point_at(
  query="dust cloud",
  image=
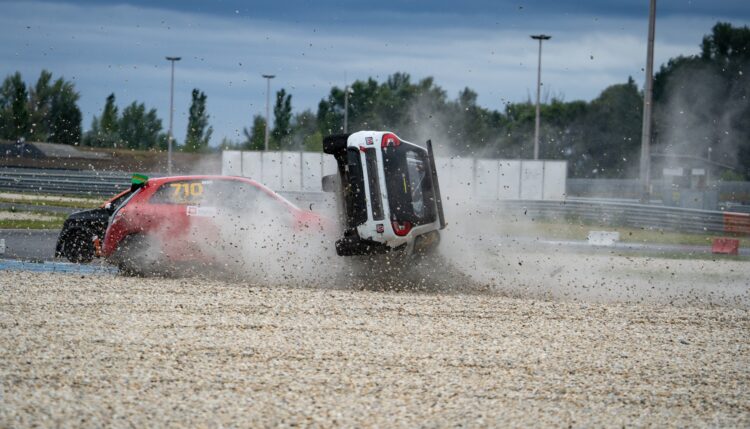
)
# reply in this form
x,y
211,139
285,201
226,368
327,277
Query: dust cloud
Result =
x,y
511,252
699,119
483,250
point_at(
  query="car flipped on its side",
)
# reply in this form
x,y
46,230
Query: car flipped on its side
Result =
x,y
82,231
170,221
388,194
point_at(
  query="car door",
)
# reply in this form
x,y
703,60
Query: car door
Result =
x,y
180,215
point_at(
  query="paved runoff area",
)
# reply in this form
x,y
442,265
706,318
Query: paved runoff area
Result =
x,y
84,350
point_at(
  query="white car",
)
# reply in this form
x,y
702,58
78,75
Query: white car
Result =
x,y
389,196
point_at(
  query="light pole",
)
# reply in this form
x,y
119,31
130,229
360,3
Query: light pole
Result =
x,y
346,108
540,38
268,78
171,115
647,98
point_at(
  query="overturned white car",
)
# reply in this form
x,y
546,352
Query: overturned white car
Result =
x,y
388,194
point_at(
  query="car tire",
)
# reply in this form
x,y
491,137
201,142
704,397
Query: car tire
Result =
x,y
79,247
335,143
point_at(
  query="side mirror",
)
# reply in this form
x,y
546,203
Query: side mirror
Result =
x,y
329,183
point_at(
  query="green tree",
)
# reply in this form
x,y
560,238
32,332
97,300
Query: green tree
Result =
x,y
93,136
610,134
282,117
48,113
331,112
139,129
109,120
255,138
40,103
64,117
105,129
305,134
198,130
702,102
15,120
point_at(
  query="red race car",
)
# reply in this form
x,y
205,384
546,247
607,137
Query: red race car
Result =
x,y
198,221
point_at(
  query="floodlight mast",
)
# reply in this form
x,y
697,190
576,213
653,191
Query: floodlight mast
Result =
x,y
268,78
648,91
171,115
540,38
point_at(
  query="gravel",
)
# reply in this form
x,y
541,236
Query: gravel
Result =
x,y
113,351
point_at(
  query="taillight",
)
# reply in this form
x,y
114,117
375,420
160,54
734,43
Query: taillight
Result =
x,y
389,140
401,228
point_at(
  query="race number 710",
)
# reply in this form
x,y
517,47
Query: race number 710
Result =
x,y
184,191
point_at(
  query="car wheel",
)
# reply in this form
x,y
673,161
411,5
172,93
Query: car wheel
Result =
x,y
79,248
335,143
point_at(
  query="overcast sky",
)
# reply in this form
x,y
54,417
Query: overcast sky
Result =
x,y
119,46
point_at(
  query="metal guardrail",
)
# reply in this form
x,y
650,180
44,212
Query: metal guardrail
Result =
x,y
621,214
589,210
63,182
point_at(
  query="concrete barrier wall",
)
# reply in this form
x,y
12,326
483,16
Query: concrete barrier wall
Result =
x,y
489,179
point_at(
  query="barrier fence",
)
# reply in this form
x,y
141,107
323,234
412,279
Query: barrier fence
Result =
x,y
604,212
494,179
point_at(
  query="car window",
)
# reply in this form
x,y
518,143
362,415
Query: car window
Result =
x,y
119,200
409,184
416,172
185,192
228,194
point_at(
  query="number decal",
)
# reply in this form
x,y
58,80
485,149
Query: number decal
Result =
x,y
186,192
176,187
196,189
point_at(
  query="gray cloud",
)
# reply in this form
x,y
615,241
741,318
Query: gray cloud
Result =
x,y
120,49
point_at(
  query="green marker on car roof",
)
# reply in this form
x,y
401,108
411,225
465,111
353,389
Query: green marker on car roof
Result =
x,y
137,181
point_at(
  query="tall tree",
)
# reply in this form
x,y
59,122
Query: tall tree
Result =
x,y
64,115
105,129
48,113
40,103
198,130
15,120
282,118
109,119
255,138
305,134
610,132
139,129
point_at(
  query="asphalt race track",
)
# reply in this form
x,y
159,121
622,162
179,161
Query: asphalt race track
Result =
x,y
29,245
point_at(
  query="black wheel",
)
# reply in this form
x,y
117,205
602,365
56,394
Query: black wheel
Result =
x,y
79,247
335,143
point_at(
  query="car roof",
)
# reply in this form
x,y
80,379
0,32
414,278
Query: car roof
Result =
x,y
161,180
